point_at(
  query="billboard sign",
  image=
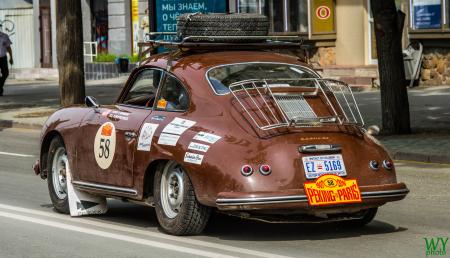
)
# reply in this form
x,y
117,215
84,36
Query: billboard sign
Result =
x,y
427,14
167,11
322,13
135,24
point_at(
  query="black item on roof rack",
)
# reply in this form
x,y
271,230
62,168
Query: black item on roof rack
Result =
x,y
218,43
222,26
211,42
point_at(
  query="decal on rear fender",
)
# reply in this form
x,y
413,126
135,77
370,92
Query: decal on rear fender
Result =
x,y
168,139
178,126
193,158
198,147
207,137
146,136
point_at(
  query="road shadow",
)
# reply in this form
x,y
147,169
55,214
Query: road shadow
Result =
x,y
5,124
226,227
124,213
232,228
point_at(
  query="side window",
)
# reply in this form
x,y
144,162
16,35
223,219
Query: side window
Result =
x,y
173,96
143,91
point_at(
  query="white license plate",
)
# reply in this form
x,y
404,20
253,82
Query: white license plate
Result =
x,y
316,166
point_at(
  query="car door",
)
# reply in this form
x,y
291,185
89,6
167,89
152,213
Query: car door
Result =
x,y
172,103
108,137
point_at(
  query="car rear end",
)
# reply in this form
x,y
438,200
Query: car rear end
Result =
x,y
319,162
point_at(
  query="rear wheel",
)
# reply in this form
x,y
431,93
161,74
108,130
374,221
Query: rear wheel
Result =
x,y
177,208
58,164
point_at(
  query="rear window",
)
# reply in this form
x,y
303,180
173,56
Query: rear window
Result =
x,y
222,77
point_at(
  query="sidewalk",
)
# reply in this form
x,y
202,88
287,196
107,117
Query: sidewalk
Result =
x,y
53,80
430,142
422,147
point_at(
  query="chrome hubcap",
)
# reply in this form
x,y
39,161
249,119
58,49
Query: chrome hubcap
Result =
x,y
60,165
172,189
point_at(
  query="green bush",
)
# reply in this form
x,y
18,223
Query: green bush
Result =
x,y
111,58
134,58
105,57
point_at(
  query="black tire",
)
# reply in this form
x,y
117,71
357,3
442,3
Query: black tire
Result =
x,y
198,24
192,216
366,218
60,205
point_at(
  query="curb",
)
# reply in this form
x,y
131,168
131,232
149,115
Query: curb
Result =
x,y
427,158
13,124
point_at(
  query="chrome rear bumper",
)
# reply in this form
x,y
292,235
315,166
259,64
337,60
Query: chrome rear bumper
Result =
x,y
383,196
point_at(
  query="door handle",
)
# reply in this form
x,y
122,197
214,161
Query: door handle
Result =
x,y
130,135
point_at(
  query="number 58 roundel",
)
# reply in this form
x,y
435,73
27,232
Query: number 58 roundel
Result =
x,y
105,145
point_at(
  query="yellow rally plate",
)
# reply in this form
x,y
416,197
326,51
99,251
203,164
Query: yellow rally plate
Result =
x,y
331,189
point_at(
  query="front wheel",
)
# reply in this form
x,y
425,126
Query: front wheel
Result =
x,y
177,208
58,165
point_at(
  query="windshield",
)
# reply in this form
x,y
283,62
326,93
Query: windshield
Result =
x,y
222,77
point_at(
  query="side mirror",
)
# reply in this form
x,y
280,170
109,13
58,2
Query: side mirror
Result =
x,y
373,130
91,102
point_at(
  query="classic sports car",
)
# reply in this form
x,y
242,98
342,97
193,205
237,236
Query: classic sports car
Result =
x,y
250,133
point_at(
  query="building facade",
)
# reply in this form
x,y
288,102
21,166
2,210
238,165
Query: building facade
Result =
x,y
16,19
339,34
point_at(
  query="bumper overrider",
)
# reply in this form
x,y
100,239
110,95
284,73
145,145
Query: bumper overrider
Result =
x,y
372,196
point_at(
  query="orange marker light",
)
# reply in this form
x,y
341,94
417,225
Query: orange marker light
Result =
x,y
162,103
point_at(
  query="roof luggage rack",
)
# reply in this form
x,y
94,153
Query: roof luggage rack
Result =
x,y
152,42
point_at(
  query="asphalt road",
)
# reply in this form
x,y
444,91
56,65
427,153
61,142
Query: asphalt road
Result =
x,y
31,228
47,94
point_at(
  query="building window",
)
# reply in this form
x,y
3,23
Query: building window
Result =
x,y
429,14
284,15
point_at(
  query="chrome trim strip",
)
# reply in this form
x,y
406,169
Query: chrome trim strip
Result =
x,y
262,200
302,198
388,193
108,188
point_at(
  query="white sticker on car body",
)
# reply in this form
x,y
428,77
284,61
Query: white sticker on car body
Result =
x,y
146,136
116,115
178,126
193,158
105,145
198,147
168,139
207,137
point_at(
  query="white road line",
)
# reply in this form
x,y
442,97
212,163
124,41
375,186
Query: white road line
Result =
x,y
184,240
16,154
100,233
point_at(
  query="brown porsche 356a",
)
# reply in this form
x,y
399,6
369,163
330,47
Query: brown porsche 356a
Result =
x,y
221,126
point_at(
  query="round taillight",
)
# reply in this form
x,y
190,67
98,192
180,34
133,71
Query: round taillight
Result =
x,y
246,170
265,169
387,164
373,164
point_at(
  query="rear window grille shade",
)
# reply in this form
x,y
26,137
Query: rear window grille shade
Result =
x,y
295,106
